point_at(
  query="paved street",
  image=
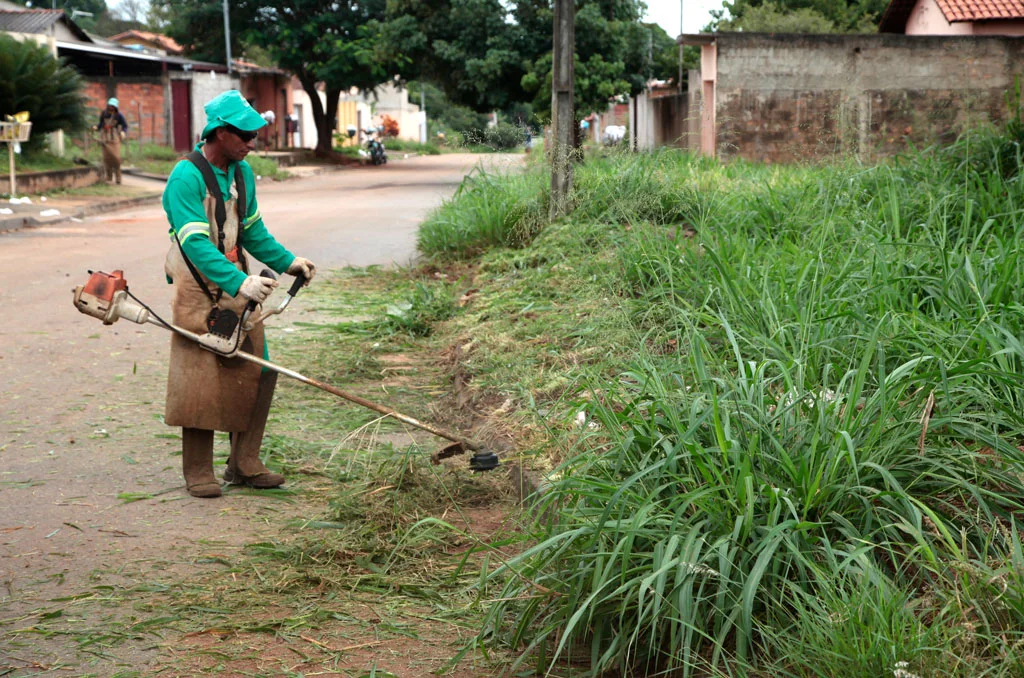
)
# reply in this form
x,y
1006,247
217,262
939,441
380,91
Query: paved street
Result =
x,y
79,422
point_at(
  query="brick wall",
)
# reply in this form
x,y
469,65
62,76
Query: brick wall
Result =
x,y
783,98
142,102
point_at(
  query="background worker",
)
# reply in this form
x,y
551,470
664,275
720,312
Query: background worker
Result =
x,y
208,266
112,128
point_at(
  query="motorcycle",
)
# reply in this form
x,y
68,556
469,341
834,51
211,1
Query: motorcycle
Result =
x,y
375,146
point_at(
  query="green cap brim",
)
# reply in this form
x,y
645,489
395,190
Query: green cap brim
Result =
x,y
246,119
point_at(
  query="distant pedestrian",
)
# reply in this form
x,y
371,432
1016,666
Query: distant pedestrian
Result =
x,y
112,128
529,140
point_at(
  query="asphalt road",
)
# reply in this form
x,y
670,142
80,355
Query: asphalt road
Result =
x,y
80,402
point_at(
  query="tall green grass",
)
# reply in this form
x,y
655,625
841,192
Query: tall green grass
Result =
x,y
488,210
825,479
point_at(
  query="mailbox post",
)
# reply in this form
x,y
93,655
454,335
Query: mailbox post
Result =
x,y
12,133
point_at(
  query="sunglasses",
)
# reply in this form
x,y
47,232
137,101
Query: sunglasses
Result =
x,y
244,136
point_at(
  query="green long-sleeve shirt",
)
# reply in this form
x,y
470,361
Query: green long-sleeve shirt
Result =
x,y
183,203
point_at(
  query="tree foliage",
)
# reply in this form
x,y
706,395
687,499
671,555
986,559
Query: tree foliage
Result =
x,y
445,116
801,16
334,42
496,55
32,80
469,48
198,25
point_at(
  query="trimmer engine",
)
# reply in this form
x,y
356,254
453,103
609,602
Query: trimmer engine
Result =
x,y
105,296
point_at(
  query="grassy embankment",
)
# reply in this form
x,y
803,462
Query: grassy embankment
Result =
x,y
780,407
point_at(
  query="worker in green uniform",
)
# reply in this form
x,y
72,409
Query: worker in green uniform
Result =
x,y
210,202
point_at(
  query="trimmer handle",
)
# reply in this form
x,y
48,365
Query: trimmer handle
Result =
x,y
300,280
265,273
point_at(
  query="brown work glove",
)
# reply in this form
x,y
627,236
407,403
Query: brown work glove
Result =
x,y
304,266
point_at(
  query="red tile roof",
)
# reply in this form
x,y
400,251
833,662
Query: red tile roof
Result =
x,y
165,43
895,18
981,10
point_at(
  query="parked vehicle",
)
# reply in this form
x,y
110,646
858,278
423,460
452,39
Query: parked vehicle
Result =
x,y
378,155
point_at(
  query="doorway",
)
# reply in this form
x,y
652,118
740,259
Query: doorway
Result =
x,y
181,114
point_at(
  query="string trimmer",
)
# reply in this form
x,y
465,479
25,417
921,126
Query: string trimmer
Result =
x,y
106,296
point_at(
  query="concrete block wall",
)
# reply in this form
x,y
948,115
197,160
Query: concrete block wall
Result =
x,y
783,98
206,86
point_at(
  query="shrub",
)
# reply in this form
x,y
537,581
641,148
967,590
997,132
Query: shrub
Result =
x,y
501,137
32,80
390,126
266,167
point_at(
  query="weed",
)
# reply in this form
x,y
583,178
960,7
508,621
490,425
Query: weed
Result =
x,y
795,397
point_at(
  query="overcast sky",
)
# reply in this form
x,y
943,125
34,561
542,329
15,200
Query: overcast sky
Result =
x,y
696,15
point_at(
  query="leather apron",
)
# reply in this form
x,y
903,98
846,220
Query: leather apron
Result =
x,y
204,390
110,140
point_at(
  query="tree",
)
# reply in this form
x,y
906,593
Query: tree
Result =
x,y
469,48
861,16
615,55
770,18
198,25
134,11
333,42
336,42
32,80
496,54
445,116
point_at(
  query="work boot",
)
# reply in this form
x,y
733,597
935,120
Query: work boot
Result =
x,y
244,464
197,463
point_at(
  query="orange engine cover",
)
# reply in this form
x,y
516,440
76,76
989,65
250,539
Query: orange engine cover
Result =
x,y
104,285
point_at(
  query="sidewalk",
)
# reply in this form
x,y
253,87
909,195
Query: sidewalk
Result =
x,y
138,188
42,210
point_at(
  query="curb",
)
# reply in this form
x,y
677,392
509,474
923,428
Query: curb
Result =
x,y
145,175
15,223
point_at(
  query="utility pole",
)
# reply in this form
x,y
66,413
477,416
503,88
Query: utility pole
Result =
x,y
227,36
679,82
563,114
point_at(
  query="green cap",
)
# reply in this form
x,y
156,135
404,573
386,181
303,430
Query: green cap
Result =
x,y
230,108
112,102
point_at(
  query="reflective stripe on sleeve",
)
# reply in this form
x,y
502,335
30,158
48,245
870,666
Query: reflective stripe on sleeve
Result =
x,y
252,220
193,228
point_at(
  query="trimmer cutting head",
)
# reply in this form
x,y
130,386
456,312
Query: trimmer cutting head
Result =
x,y
482,459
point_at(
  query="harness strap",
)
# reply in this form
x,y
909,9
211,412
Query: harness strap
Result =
x,y
195,274
220,215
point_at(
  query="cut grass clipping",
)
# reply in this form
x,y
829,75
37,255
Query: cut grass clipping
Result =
x,y
802,453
